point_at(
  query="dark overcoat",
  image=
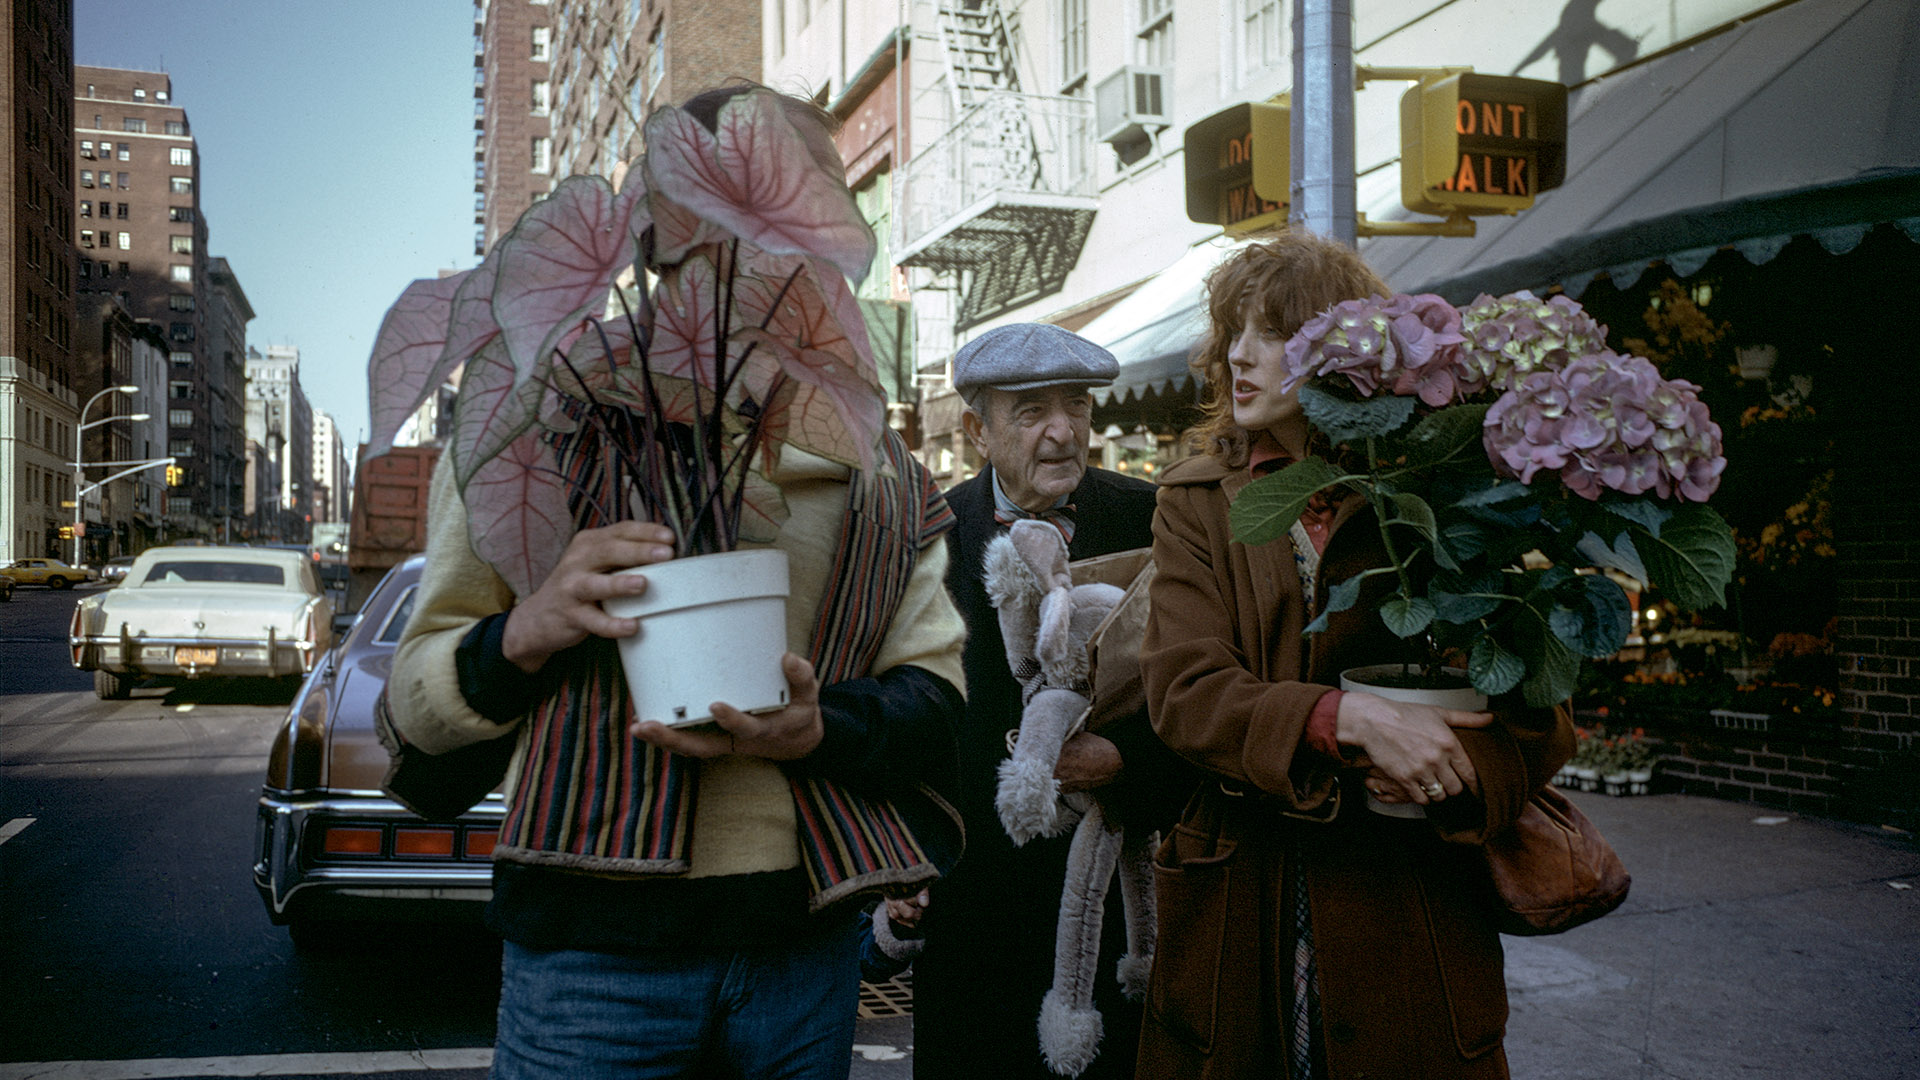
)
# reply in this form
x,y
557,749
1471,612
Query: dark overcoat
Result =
x,y
1410,964
990,930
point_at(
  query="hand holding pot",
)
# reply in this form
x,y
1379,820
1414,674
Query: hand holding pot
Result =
x,y
1410,746
565,609
785,734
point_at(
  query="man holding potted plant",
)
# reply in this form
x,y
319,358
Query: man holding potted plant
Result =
x,y
674,899
990,926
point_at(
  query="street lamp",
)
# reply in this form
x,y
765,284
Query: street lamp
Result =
x,y
80,457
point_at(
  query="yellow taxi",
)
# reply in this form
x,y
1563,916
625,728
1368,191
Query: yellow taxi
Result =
x,y
49,572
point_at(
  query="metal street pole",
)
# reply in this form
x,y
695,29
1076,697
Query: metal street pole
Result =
x,y
80,459
1322,140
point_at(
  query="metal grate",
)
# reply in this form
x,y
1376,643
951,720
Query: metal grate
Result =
x,y
891,998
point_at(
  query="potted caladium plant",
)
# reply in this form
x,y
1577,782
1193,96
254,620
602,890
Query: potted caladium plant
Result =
x,y
1509,459
651,349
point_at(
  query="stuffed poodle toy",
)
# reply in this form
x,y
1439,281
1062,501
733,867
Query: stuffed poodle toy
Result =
x,y
1048,622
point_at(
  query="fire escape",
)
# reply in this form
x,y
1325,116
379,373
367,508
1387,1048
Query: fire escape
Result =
x,y
1001,202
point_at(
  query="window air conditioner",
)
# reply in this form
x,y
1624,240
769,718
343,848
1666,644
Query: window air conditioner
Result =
x,y
1131,101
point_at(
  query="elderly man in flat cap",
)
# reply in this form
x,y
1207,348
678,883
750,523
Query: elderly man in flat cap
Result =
x,y
989,928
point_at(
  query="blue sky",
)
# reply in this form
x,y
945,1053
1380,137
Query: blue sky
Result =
x,y
336,156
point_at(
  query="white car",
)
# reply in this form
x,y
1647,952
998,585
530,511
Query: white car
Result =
x,y
198,612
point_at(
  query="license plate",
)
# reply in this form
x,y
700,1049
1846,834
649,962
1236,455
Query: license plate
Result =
x,y
196,656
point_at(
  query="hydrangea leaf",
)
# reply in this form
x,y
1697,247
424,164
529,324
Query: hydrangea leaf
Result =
x,y
1440,435
1266,508
1646,513
1620,555
761,177
1492,669
517,513
1600,615
1407,615
1411,509
1463,600
1339,598
1691,561
1552,669
1346,421
406,366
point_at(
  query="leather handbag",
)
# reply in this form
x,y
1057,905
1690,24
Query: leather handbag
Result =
x,y
1552,870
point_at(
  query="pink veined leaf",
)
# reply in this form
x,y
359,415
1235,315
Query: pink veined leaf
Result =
x,y
470,325
683,328
763,509
495,406
812,347
557,268
678,231
765,273
404,368
517,513
760,177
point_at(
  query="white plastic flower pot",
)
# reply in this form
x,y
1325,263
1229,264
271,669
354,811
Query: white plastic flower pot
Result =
x,y
712,629
1370,680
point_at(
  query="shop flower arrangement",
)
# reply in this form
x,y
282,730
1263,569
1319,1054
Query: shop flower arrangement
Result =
x,y
1509,458
649,351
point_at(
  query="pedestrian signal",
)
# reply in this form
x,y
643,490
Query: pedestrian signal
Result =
x,y
1237,162
1481,144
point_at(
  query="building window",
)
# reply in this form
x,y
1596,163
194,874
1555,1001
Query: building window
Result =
x,y
179,155
180,185
180,331
139,94
179,213
1073,42
180,391
180,272
181,358
542,44
86,149
180,245
542,154
159,95
1259,37
86,207
86,178
1155,33
180,447
126,241
126,151
176,127
122,211
126,270
134,124
126,181
180,302
542,97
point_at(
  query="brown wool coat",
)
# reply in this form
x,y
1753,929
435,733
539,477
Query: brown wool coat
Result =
x,y
1410,964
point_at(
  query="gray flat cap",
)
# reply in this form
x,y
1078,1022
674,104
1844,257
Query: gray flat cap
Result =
x,y
1028,356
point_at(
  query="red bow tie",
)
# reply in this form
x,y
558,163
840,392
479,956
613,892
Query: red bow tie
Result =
x,y
1060,517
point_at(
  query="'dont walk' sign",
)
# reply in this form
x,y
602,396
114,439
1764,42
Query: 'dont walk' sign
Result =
x,y
1481,144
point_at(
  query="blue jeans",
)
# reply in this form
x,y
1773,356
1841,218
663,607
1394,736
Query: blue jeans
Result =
x,y
753,1014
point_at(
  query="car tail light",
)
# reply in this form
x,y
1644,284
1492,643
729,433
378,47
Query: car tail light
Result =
x,y
407,841
351,841
480,843
73,636
309,634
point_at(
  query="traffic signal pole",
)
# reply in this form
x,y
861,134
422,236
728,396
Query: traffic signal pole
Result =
x,y
1322,188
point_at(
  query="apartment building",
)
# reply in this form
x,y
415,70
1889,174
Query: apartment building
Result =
x,y
142,238
563,87
332,487
279,430
41,390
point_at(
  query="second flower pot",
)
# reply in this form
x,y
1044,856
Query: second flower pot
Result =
x,y
712,628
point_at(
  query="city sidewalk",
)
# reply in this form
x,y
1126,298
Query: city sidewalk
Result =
x,y
1755,944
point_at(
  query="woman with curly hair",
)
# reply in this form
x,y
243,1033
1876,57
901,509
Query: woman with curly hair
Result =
x,y
1301,933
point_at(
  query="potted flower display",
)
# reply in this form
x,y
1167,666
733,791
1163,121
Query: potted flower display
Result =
x,y
1510,460
650,351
